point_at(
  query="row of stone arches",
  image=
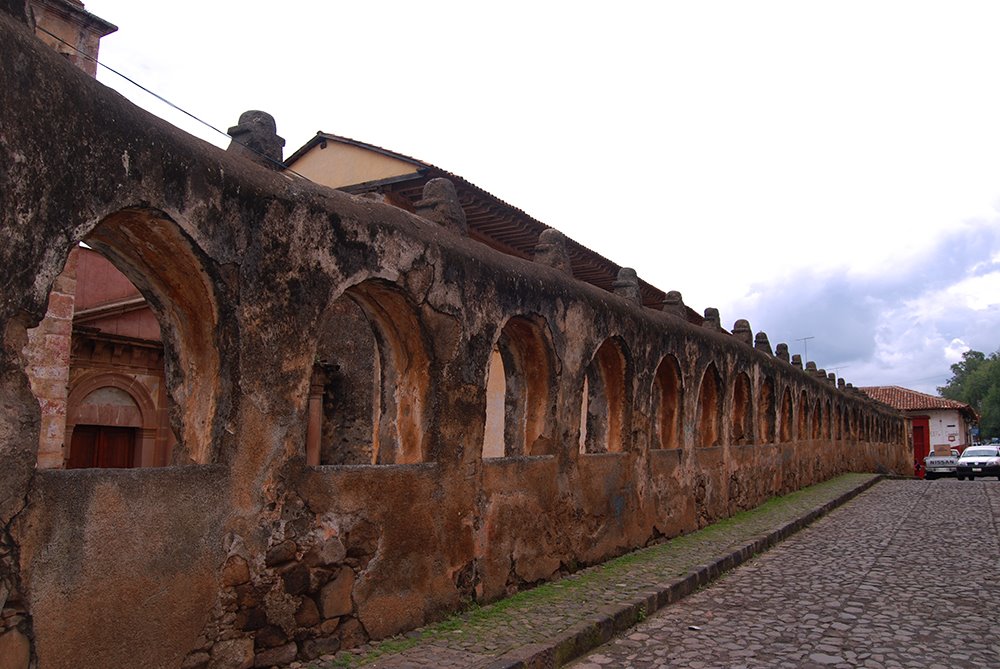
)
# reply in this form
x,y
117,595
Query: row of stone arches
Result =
x,y
372,397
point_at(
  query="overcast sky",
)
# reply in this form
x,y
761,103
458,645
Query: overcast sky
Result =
x,y
826,170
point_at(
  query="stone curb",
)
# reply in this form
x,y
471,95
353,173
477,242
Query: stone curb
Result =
x,y
605,623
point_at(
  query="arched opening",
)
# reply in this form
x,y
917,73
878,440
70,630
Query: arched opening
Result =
x,y
803,424
521,409
766,410
817,422
496,392
742,411
668,400
786,416
370,381
149,327
828,420
604,400
111,421
709,408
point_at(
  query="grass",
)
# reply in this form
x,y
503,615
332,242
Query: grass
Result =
x,y
574,588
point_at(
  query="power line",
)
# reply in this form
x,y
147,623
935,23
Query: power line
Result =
x,y
276,163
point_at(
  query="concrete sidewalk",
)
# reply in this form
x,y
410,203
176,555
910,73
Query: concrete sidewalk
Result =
x,y
559,621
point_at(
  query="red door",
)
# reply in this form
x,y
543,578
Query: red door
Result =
x,y
921,446
101,446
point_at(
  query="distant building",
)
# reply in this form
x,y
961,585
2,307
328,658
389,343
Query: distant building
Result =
x,y
932,421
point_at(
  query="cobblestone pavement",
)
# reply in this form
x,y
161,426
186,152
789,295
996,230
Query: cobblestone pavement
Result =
x,y
905,575
538,616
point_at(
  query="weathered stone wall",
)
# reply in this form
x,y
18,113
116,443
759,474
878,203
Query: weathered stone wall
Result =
x,y
242,553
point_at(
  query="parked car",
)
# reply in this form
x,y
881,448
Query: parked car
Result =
x,y
979,461
936,466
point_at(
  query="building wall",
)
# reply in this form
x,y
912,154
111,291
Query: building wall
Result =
x,y
243,548
947,427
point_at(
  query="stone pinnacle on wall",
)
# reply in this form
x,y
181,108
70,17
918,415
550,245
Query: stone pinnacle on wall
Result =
x,y
256,137
762,344
673,304
781,352
742,331
550,250
712,319
440,204
797,361
627,285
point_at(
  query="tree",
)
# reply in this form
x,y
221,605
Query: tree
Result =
x,y
976,381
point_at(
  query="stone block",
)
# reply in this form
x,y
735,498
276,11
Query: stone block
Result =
x,y
335,597
15,650
331,551
308,613
280,553
235,571
313,648
296,578
279,656
232,654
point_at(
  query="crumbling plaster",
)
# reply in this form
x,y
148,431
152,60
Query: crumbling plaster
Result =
x,y
212,560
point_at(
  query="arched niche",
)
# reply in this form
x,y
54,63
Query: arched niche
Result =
x,y
668,403
802,432
709,408
604,400
370,384
787,417
766,411
741,413
520,409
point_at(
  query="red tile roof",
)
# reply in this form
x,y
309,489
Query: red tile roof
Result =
x,y
905,399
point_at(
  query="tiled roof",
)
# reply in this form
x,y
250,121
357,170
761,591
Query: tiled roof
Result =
x,y
492,221
905,399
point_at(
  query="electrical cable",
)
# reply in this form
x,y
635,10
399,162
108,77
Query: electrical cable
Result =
x,y
276,163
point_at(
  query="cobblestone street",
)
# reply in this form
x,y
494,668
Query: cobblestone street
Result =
x,y
905,575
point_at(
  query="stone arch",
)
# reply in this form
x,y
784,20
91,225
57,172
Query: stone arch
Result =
x,y
605,401
709,417
741,406
802,433
766,411
786,416
371,378
183,298
817,419
520,402
828,419
668,403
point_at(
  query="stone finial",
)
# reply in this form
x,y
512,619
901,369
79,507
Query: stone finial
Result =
x,y
673,304
712,319
797,361
781,352
440,205
810,366
742,331
840,384
831,378
762,344
256,137
551,250
627,285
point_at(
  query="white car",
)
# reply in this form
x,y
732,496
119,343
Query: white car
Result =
x,y
979,461
936,466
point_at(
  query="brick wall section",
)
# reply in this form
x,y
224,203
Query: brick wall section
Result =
x,y
47,354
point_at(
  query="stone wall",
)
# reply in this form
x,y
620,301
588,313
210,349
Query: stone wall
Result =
x,y
240,553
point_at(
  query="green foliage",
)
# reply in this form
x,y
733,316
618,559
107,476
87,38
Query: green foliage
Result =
x,y
976,381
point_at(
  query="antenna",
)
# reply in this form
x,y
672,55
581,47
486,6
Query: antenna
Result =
x,y
805,346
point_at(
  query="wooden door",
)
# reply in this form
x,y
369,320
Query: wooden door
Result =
x,y
101,446
921,444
